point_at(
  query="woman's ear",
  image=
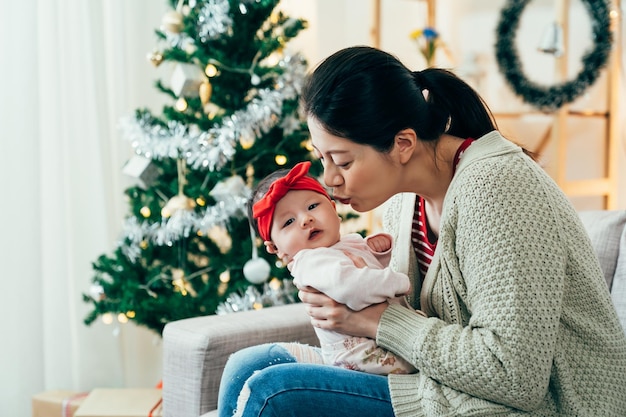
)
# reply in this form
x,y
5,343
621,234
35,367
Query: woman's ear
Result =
x,y
405,142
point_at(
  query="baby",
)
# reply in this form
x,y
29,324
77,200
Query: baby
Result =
x,y
298,221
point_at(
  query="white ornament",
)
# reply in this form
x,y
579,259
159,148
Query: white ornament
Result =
x,y
97,292
142,170
256,270
186,80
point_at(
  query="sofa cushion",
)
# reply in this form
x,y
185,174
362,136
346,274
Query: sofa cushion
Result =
x,y
605,228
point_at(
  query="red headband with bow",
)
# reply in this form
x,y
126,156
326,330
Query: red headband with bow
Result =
x,y
296,179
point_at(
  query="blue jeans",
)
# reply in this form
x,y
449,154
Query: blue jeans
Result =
x,y
279,386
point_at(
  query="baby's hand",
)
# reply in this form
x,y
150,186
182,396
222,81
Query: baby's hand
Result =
x,y
379,243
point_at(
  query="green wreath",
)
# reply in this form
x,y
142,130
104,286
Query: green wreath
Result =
x,y
552,97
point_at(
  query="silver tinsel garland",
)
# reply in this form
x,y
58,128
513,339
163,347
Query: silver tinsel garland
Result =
x,y
231,196
209,150
253,299
214,148
214,20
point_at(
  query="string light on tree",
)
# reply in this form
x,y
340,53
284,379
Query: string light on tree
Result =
x,y
145,211
280,160
211,70
181,104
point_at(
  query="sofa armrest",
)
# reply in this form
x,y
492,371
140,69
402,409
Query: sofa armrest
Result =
x,y
605,229
195,351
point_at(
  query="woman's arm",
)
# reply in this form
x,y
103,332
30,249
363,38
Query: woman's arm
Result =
x,y
327,313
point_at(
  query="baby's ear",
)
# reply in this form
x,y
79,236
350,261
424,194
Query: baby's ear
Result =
x,y
270,247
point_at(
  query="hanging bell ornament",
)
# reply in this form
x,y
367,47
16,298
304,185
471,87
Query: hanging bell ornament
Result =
x,y
205,92
552,40
172,21
156,58
176,203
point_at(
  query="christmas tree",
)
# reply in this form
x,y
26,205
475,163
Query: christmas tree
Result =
x,y
186,248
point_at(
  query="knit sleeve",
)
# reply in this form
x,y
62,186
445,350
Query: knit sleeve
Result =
x,y
507,236
498,291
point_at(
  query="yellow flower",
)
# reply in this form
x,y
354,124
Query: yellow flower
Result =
x,y
416,34
427,40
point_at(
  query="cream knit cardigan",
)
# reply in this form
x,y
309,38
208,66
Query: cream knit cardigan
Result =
x,y
520,318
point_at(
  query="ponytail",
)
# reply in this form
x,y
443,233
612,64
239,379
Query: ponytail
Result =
x,y
455,108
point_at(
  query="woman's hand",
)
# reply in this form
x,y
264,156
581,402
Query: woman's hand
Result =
x,y
328,314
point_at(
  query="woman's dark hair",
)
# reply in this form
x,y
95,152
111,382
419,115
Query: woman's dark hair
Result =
x,y
367,96
259,192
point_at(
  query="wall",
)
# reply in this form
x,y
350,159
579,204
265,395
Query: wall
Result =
x,y
468,28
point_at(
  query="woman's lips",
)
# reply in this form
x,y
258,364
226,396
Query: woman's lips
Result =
x,y
342,200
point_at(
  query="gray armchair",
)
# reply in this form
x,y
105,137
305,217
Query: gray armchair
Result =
x,y
195,351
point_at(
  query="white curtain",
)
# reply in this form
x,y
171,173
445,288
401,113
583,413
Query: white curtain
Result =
x,y
70,69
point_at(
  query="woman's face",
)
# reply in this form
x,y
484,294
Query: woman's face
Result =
x,y
358,174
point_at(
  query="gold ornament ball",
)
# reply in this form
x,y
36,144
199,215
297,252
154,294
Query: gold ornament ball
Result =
x,y
172,21
156,58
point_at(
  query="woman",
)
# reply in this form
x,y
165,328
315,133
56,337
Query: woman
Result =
x,y
519,319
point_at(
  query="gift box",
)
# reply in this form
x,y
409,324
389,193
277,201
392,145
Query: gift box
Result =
x,y
57,403
121,402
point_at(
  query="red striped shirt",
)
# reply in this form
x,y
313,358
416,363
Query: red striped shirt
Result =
x,y
423,244
423,247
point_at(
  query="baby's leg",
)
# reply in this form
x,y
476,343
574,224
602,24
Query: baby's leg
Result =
x,y
362,354
303,353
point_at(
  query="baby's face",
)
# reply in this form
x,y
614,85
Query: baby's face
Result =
x,y
304,219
